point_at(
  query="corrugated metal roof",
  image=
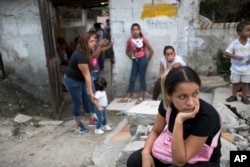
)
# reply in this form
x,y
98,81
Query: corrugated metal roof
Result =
x,y
82,3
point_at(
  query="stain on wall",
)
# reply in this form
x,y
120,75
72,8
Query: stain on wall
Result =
x,y
159,9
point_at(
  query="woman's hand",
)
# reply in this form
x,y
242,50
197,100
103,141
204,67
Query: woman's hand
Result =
x,y
92,97
104,43
182,116
147,159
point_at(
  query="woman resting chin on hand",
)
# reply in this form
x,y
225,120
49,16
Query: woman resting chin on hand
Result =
x,y
193,126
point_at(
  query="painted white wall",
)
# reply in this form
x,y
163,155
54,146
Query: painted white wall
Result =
x,y
22,45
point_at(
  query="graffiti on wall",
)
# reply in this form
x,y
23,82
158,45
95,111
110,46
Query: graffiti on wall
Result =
x,y
159,9
159,23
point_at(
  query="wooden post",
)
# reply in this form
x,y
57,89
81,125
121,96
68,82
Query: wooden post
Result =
x,y
57,100
2,66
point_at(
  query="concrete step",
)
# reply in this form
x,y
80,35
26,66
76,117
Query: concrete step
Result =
x,y
222,93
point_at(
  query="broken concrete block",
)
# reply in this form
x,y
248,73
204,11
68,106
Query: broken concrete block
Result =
x,y
20,118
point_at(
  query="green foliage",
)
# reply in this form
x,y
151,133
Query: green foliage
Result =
x,y
225,10
223,65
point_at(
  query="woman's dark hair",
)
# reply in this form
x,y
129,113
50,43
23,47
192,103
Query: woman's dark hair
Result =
x,y
170,81
100,83
166,48
83,47
137,25
97,25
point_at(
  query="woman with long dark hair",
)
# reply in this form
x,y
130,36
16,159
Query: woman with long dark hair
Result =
x,y
78,78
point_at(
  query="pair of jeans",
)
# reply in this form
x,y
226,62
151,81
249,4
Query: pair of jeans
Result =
x,y
79,95
101,115
94,76
101,60
139,66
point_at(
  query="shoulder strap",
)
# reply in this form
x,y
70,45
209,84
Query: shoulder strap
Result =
x,y
215,139
168,112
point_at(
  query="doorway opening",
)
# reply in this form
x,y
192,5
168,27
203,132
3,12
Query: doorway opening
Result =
x,y
70,18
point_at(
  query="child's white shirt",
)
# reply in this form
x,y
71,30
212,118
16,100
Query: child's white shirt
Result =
x,y
102,98
240,66
177,59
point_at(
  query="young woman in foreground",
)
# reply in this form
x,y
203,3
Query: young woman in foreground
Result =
x,y
193,126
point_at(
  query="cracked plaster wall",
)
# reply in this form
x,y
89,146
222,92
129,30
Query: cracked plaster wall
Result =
x,y
22,46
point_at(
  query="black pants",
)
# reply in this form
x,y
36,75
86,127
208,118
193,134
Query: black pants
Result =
x,y
135,160
157,89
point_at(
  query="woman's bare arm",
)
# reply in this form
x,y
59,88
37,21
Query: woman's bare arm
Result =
x,y
128,53
150,49
84,68
184,150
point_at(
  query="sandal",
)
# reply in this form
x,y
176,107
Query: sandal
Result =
x,y
125,100
139,100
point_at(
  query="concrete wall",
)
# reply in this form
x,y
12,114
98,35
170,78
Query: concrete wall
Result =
x,y
89,17
22,46
163,22
215,38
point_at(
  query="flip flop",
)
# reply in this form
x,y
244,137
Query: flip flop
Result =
x,y
139,100
125,100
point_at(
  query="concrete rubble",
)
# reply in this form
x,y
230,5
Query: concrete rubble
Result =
x,y
21,118
129,133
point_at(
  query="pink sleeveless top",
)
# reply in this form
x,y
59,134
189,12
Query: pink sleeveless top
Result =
x,y
137,47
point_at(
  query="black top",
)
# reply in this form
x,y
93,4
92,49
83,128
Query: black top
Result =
x,y
205,123
72,70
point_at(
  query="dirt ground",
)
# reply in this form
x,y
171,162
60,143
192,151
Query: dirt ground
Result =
x,y
39,146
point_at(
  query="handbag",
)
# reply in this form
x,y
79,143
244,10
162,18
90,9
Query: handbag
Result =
x,y
162,146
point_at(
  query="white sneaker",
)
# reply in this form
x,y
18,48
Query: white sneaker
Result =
x,y
106,127
99,131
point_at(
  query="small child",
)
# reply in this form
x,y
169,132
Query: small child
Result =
x,y
239,52
100,105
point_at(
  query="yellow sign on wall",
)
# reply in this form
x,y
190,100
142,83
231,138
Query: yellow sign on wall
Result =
x,y
159,9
